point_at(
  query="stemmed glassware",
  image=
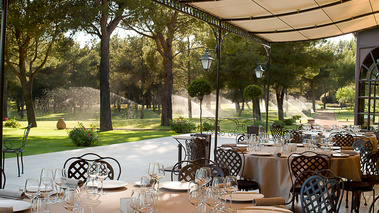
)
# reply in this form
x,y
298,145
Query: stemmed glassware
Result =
x,y
156,172
58,183
211,199
230,186
218,189
142,201
203,176
31,190
71,199
102,174
45,187
196,197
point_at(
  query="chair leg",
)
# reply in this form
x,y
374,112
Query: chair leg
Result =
x,y
22,163
347,199
3,160
18,165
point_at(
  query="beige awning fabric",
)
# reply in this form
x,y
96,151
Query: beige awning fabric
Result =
x,y
293,20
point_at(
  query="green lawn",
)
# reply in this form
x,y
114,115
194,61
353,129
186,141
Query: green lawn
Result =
x,y
344,114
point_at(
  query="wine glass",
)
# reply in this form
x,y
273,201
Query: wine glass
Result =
x,y
203,176
145,182
196,197
45,188
153,172
31,187
71,199
211,198
160,175
102,174
218,189
58,183
230,186
85,209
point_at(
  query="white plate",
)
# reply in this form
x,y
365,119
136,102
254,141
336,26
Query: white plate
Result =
x,y
340,155
244,196
176,185
242,145
299,144
18,205
261,153
264,209
112,184
335,147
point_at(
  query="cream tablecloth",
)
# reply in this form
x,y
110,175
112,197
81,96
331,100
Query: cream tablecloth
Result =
x,y
169,202
273,175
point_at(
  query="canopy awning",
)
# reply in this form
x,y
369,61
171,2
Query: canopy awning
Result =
x,y
285,20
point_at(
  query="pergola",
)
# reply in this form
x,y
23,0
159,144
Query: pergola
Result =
x,y
271,21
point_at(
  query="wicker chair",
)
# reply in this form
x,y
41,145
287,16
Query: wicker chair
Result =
x,y
320,193
9,148
298,164
77,167
235,162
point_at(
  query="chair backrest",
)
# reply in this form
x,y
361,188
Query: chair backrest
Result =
x,y
26,134
372,168
231,159
3,179
196,148
298,164
186,170
321,194
296,136
77,167
343,139
277,131
364,148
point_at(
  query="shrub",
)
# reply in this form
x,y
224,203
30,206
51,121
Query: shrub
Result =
x,y
11,123
206,126
288,121
182,125
280,123
261,123
81,136
296,117
95,125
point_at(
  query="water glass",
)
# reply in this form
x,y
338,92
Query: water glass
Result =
x,y
85,209
146,201
71,199
58,183
145,182
196,197
91,184
203,176
211,198
102,174
125,205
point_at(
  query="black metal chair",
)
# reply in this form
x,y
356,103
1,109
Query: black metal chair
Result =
x,y
344,139
77,167
320,193
373,205
301,165
3,179
371,169
186,170
277,131
234,161
10,148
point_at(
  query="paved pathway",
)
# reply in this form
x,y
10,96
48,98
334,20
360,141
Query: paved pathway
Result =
x,y
328,118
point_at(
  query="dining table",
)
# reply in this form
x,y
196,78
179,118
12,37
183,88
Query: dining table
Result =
x,y
170,201
272,172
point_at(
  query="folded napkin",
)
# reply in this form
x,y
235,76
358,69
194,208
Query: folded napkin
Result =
x,y
229,145
273,201
13,194
72,182
6,209
241,149
347,148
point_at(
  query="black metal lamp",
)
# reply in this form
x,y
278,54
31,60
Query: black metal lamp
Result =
x,y
206,60
259,71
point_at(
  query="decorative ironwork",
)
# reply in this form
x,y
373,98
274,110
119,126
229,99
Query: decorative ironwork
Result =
x,y
211,19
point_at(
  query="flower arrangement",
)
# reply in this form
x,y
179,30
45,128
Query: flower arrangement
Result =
x,y
12,122
182,125
82,136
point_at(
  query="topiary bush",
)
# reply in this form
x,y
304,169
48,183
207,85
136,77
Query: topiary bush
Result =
x,y
182,125
82,136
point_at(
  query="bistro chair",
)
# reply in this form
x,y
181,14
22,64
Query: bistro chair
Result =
x,y
343,139
186,170
235,162
18,150
277,131
3,179
301,165
296,136
373,205
77,167
321,193
196,148
371,169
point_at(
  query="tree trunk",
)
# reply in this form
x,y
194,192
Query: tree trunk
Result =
x,y
5,103
201,123
280,99
167,88
189,100
313,95
256,109
142,115
105,102
238,108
